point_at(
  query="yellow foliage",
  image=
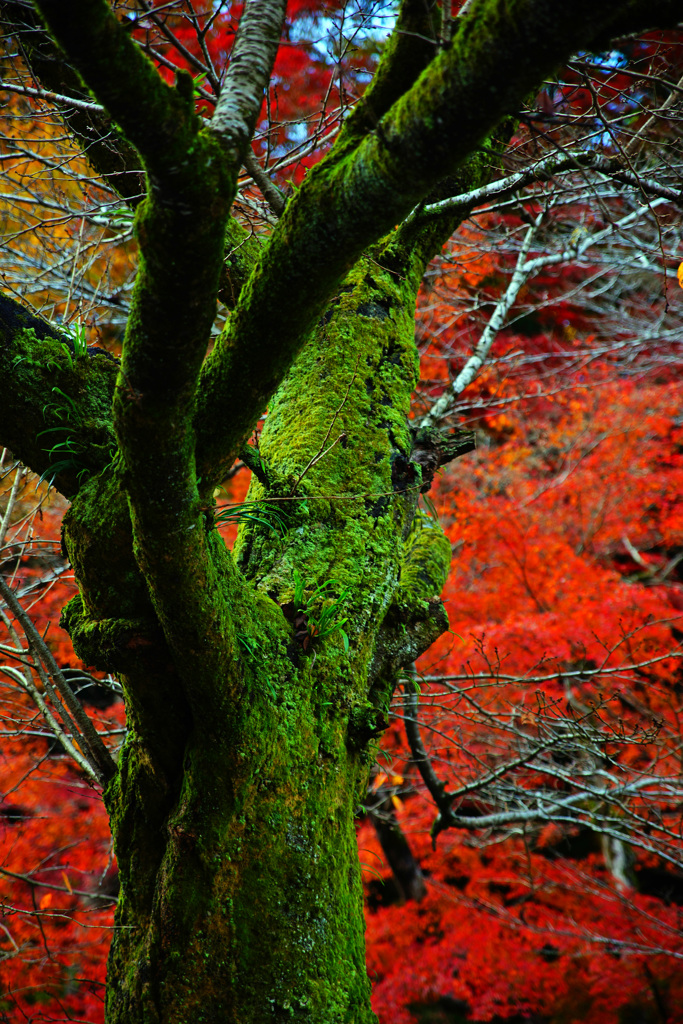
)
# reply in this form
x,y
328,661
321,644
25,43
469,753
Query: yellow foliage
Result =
x,y
66,251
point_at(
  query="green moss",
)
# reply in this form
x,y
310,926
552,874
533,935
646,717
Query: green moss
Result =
x,y
57,415
261,851
365,723
426,563
242,249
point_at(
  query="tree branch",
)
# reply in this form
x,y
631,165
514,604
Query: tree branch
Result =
x,y
499,52
473,365
251,63
524,270
56,412
84,732
592,792
269,190
180,230
421,759
157,119
544,170
410,48
51,97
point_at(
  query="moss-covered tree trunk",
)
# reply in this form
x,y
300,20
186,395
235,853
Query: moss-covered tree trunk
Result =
x,y
234,827
258,682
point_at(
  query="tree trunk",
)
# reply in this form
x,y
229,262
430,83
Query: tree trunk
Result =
x,y
241,893
253,910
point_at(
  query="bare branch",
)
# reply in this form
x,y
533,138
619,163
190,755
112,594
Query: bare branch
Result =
x,y
524,270
52,97
361,195
251,63
473,365
269,190
98,756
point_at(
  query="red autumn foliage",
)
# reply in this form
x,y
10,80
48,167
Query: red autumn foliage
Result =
x,y
327,55
564,524
57,873
564,600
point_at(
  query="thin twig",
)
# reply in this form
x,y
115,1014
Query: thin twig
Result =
x,y
99,756
63,737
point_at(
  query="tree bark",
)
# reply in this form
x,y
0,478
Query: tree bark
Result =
x,y
234,829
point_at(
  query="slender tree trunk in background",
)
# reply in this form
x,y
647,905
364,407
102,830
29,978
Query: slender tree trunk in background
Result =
x,y
406,871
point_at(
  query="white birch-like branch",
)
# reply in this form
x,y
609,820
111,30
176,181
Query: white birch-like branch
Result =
x,y
524,269
544,170
52,97
251,63
474,364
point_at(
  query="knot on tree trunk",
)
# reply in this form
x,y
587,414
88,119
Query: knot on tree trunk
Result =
x,y
110,645
432,449
416,617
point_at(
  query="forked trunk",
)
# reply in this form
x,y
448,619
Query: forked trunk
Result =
x,y
233,808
